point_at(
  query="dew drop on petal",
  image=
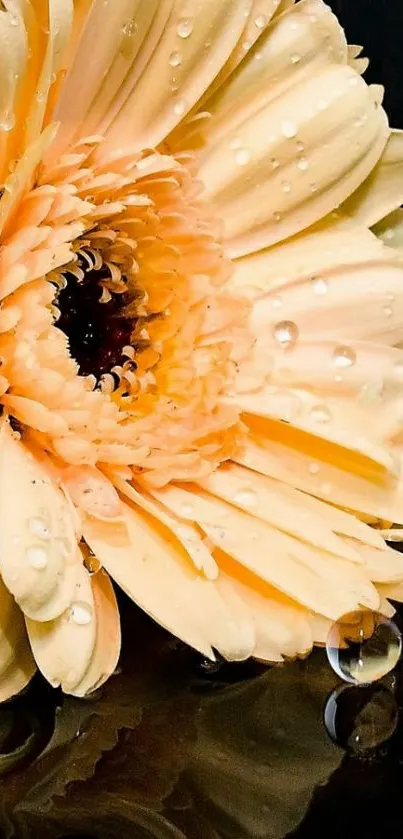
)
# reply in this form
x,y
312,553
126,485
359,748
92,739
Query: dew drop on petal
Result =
x,y
388,311
242,157
320,413
260,21
274,163
7,122
314,468
289,129
245,497
37,557
286,187
359,719
286,333
81,613
92,564
300,146
319,286
175,59
277,302
185,27
302,164
180,107
344,356
38,527
363,646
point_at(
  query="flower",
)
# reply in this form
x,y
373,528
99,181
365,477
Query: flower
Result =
x,y
201,376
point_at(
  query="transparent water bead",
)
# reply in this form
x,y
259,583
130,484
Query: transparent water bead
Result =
x,y
185,27
286,333
359,719
81,613
363,646
37,557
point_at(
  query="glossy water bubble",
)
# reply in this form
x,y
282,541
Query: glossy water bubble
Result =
x,y
363,646
359,719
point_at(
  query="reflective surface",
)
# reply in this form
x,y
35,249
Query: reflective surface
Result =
x,y
173,747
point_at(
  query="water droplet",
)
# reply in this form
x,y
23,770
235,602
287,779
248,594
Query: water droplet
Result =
x,y
360,718
7,123
363,646
38,527
319,286
320,413
81,613
302,164
289,129
245,497
286,186
277,217
185,27
260,21
344,356
186,510
175,59
314,187
13,20
40,96
300,146
388,311
277,302
242,157
92,564
286,333
129,28
180,107
274,163
295,58
314,468
37,557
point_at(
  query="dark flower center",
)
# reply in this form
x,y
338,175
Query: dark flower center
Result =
x,y
96,330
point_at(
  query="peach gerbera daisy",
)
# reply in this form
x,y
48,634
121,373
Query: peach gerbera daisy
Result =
x,y
201,380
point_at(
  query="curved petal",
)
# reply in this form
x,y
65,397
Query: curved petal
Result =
x,y
16,663
382,192
37,535
63,647
148,563
259,189
106,652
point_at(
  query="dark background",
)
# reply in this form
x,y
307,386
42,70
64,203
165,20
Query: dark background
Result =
x,y
378,26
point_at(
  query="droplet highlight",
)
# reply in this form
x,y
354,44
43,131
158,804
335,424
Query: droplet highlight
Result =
x,y
245,497
344,356
175,59
363,646
289,129
185,27
286,333
81,613
38,527
320,413
320,286
37,557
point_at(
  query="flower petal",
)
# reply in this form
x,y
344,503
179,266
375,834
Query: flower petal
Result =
x,y
259,189
382,192
313,578
105,655
37,536
148,563
63,647
16,663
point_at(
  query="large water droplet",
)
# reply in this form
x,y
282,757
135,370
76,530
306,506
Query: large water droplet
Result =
x,y
180,107
289,129
302,164
184,27
314,468
37,557
363,646
286,187
38,527
129,28
295,58
7,123
286,333
81,613
175,59
344,356
359,719
92,564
